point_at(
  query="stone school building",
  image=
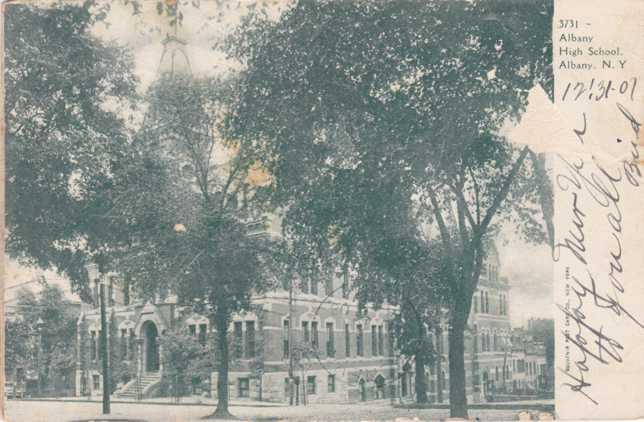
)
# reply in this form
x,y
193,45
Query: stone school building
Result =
x,y
334,354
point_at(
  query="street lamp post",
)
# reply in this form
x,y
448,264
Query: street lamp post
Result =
x,y
39,326
93,272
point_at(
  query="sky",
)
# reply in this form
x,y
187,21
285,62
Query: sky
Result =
x,y
527,267
529,270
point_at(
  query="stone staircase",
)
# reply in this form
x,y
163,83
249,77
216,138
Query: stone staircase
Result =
x,y
134,389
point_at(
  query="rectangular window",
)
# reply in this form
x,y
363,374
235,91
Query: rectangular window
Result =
x,y
330,384
390,338
100,349
203,330
314,286
475,339
304,285
285,345
126,292
96,380
124,340
315,341
243,387
381,341
330,340
250,339
345,284
110,292
93,349
306,335
482,302
328,285
476,380
192,330
374,340
237,339
347,341
359,340
310,385
132,346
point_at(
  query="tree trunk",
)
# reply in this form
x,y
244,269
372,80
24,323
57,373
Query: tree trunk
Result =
x,y
421,384
456,335
221,323
420,361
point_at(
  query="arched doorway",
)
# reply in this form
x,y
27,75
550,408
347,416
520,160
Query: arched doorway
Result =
x,y
380,386
150,347
363,390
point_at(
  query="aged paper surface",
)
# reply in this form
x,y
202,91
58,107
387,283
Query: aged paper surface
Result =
x,y
599,212
456,231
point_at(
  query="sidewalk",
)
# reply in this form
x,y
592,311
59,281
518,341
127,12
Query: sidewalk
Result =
x,y
187,401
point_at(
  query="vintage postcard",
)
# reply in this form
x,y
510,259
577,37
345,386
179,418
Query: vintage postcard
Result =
x,y
312,210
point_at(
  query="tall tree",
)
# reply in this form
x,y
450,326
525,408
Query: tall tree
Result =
x,y
62,142
200,235
367,113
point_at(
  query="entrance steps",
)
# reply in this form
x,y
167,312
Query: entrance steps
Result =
x,y
139,388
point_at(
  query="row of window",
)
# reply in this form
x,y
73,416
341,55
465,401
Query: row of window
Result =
x,y
520,365
488,344
313,287
243,385
201,334
310,335
244,345
484,300
110,292
490,271
126,346
243,342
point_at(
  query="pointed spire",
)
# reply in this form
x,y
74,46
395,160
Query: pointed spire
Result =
x,y
174,59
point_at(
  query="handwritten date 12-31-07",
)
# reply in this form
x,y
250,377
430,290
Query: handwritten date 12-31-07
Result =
x,y
599,89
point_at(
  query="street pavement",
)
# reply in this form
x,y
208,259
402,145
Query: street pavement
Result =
x,y
51,411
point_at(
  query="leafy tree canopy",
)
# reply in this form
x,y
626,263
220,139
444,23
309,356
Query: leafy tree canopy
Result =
x,y
63,143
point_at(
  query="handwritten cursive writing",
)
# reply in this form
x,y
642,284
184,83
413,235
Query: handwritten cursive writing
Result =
x,y
600,187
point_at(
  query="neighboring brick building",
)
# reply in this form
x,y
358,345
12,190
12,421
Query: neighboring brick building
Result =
x,y
491,357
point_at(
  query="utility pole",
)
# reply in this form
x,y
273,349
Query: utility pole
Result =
x,y
105,353
290,341
95,275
